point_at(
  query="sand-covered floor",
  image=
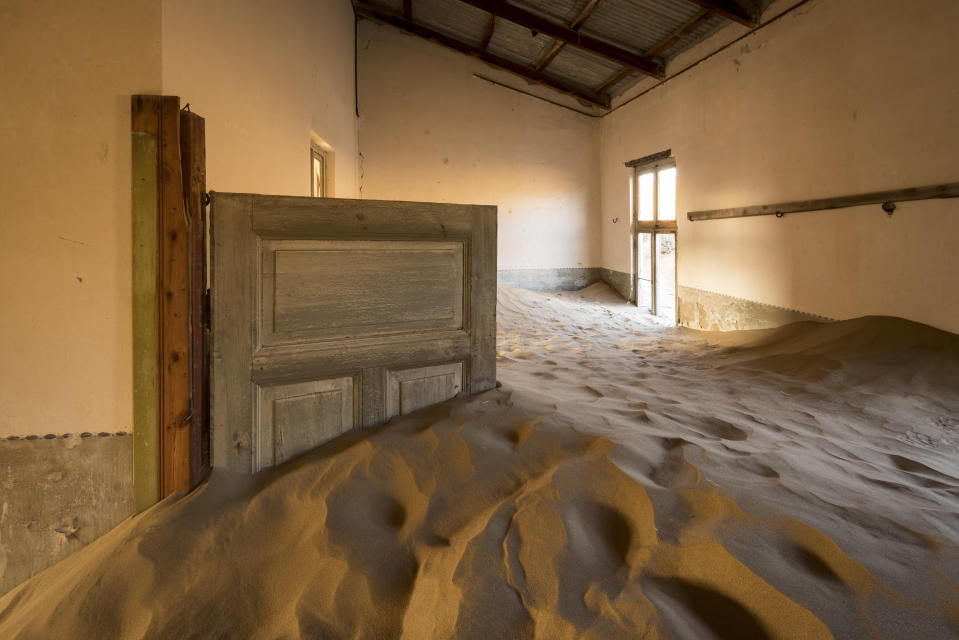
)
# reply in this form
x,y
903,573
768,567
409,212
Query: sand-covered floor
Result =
x,y
626,481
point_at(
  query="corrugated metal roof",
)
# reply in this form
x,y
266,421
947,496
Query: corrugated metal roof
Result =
x,y
713,24
395,6
518,44
452,18
561,11
634,25
625,84
638,25
588,69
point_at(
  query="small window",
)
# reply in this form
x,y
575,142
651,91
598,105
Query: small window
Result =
x,y
318,171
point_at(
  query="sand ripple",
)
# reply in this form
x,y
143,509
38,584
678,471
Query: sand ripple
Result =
x,y
626,481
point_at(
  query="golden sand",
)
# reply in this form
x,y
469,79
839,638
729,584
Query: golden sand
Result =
x,y
625,481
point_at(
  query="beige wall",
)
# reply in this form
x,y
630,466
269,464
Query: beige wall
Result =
x,y
431,131
265,75
839,97
67,70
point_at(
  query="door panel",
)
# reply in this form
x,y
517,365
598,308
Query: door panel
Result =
x,y
644,299
332,314
666,275
333,290
282,410
412,389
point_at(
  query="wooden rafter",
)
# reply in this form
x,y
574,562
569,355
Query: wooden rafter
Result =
x,y
577,22
690,25
731,10
489,33
397,20
536,23
614,80
658,48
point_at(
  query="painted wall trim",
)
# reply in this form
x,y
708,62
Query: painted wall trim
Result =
x,y
620,281
67,490
565,279
711,311
553,279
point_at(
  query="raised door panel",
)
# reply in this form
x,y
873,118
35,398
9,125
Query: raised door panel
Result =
x,y
292,419
412,389
329,290
334,314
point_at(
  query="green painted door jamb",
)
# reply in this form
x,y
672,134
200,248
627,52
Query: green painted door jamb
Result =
x,y
145,323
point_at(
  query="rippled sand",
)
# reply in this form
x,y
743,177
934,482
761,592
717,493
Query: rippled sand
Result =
x,y
626,481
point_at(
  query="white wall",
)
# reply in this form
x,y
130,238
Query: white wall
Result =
x,y
839,97
265,75
430,131
67,70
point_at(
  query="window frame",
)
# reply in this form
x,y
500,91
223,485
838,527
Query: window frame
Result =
x,y
318,153
652,227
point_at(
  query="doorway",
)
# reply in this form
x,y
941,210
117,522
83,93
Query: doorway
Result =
x,y
654,238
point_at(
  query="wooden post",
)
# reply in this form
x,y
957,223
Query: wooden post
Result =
x,y
145,127
193,158
162,413
174,297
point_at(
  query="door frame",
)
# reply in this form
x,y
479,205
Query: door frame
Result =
x,y
652,227
170,370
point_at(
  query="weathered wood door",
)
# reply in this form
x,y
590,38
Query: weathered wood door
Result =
x,y
333,314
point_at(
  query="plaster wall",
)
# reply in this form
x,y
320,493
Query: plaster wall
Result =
x,y
431,131
267,76
68,70
836,98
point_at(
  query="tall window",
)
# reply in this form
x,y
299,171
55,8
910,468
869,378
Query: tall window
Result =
x,y
654,237
318,171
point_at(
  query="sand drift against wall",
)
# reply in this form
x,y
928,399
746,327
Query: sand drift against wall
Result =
x,y
627,480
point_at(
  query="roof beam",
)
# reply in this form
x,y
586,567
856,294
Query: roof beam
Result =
x,y
577,22
658,48
663,45
489,33
373,12
614,80
733,10
606,50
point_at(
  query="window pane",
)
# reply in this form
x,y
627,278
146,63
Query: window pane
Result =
x,y
666,275
667,194
318,177
646,196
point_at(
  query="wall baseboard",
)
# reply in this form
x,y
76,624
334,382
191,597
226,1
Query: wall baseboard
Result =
x,y
709,311
698,308
67,491
565,279
556,279
618,280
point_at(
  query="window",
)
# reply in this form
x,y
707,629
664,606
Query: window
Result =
x,y
318,171
653,189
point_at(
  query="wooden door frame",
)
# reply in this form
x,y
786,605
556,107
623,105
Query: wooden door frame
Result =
x,y
652,227
168,228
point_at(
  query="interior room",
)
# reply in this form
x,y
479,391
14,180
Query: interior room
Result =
x,y
479,318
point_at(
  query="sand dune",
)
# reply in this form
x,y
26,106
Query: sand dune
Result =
x,y
626,481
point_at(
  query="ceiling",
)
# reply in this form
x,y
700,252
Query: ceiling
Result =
x,y
592,50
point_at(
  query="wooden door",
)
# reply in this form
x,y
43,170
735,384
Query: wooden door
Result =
x,y
332,314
